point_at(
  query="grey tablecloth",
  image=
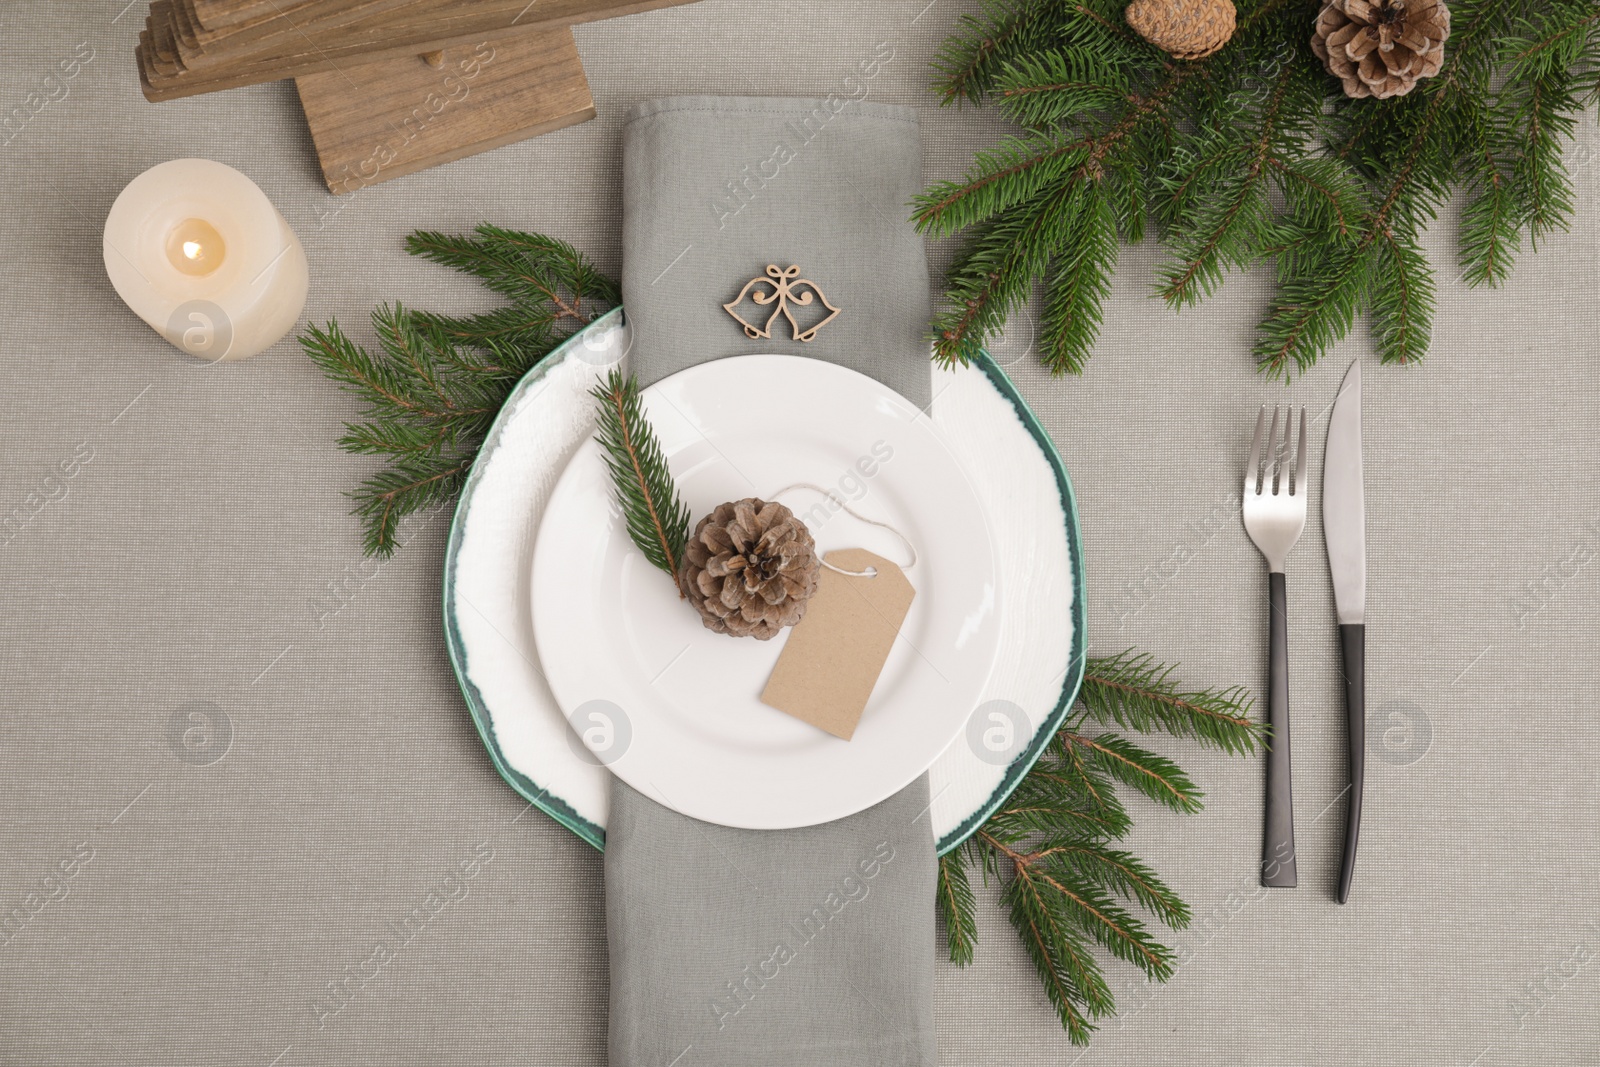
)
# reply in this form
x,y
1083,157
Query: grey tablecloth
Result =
x,y
204,553
786,948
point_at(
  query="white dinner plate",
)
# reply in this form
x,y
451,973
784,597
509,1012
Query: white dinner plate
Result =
x,y
488,620
673,708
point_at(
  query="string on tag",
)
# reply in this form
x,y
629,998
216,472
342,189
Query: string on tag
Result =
x,y
870,572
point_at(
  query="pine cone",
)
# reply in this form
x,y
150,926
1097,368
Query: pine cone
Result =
x,y
1186,29
749,569
1381,47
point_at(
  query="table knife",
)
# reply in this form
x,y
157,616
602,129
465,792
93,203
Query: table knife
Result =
x,y
1344,520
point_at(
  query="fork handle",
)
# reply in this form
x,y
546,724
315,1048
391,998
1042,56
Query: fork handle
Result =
x,y
1277,853
1353,638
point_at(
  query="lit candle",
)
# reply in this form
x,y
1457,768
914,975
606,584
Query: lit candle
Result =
x,y
198,251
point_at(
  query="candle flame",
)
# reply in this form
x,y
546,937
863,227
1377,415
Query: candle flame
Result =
x,y
195,247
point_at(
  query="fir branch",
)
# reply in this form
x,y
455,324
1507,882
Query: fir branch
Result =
x,y
1054,890
1557,38
1250,155
408,485
1402,304
969,61
1490,235
1131,690
1544,111
1068,890
546,279
1125,193
1013,173
1320,292
958,908
1022,218
1225,231
1077,287
430,392
1322,192
1094,911
1092,788
1073,980
1062,795
1056,87
994,275
1126,875
658,521
1155,776
1005,31
386,438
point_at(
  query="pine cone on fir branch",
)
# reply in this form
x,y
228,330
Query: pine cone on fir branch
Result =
x,y
749,569
1381,47
1184,29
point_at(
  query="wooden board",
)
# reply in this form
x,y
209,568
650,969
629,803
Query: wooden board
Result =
x,y
217,15
391,30
198,48
380,120
184,45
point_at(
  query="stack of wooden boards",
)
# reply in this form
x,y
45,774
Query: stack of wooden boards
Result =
x,y
388,86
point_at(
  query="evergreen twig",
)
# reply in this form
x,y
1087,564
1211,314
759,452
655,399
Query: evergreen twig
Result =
x,y
1066,887
1250,156
431,391
958,906
658,521
1132,691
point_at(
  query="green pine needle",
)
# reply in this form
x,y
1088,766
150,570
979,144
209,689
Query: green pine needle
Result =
x,y
658,521
1248,157
1155,776
1073,979
431,391
957,906
1132,691
1069,891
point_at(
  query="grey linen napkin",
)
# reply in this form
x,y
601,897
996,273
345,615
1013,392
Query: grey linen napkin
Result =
x,y
811,947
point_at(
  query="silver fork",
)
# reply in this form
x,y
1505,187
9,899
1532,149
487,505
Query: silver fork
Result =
x,y
1274,516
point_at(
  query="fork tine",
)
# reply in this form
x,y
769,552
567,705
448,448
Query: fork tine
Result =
x,y
1300,458
1274,461
1252,473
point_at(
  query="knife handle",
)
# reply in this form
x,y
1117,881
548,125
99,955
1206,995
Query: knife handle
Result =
x,y
1277,851
1353,638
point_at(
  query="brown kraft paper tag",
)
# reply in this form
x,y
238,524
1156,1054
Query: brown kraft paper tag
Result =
x,y
834,654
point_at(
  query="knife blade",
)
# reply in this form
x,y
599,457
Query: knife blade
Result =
x,y
1344,530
